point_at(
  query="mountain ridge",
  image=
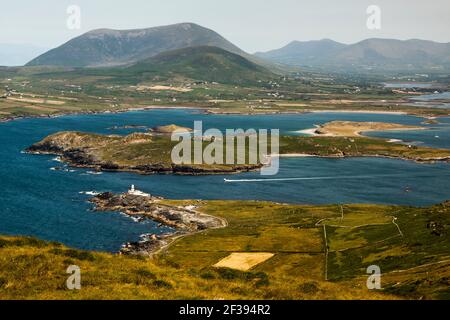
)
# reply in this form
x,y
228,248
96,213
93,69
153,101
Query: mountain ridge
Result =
x,y
299,50
109,47
377,53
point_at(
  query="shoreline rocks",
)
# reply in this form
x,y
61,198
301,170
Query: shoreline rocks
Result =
x,y
183,219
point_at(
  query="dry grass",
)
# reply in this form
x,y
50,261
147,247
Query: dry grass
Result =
x,y
34,269
163,88
414,265
243,261
39,101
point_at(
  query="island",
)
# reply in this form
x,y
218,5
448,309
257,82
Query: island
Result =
x,y
144,153
150,153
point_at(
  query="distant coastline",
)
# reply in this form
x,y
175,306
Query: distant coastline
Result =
x,y
208,110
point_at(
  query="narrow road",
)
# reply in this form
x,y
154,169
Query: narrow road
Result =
x,y
326,251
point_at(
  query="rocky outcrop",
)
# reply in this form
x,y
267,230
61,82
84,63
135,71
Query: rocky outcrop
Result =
x,y
183,219
149,244
151,207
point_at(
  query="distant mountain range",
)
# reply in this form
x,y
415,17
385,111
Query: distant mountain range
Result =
x,y
18,54
370,54
301,53
106,47
184,50
111,48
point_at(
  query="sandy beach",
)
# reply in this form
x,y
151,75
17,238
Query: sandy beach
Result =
x,y
354,129
359,111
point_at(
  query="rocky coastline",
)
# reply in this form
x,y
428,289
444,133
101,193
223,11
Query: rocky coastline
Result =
x,y
183,220
9,118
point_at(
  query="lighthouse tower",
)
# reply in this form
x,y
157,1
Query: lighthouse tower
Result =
x,y
133,191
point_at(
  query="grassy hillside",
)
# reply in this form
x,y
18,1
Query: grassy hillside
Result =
x,y
331,242
193,64
202,63
33,269
310,244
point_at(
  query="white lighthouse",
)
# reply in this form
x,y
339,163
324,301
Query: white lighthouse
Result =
x,y
133,191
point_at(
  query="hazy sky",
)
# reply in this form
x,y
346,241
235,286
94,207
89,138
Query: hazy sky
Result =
x,y
254,25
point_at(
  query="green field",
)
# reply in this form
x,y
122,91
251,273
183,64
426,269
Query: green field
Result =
x,y
320,252
99,90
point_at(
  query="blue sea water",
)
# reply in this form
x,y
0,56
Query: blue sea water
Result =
x,y
407,85
435,135
428,100
37,201
431,97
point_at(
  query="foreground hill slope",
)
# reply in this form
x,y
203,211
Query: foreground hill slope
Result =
x,y
318,252
106,47
34,269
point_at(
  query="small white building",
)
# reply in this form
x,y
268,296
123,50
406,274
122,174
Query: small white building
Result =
x,y
133,191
